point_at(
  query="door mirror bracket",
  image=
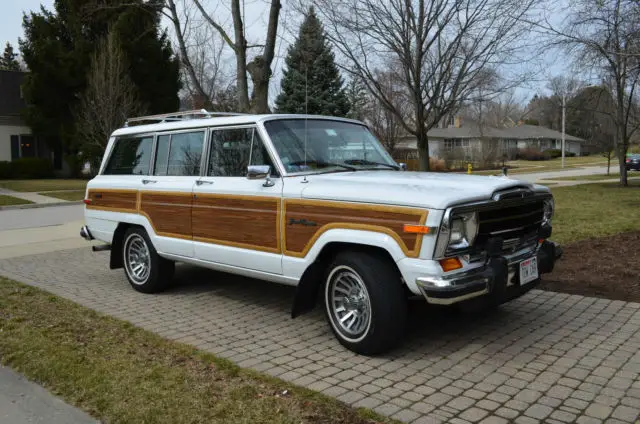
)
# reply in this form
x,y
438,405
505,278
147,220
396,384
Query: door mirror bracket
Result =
x,y
258,172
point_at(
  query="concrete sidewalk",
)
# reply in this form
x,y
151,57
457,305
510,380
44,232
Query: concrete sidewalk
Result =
x,y
22,402
32,197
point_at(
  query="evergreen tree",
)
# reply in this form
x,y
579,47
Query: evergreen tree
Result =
x,y
312,74
58,47
356,93
8,60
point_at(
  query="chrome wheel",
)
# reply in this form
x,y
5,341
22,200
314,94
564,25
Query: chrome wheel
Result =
x,y
348,303
137,258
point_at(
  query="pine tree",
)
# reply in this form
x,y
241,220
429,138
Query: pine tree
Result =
x,y
356,93
8,60
311,73
58,47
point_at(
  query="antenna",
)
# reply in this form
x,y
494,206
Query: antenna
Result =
x,y
306,112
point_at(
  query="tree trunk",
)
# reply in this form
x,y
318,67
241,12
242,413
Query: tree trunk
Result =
x,y
622,156
240,48
259,72
423,149
609,164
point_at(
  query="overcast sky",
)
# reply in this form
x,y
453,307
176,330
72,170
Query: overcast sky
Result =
x,y
256,19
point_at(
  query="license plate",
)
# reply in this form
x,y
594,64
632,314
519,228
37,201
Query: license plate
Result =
x,y
528,270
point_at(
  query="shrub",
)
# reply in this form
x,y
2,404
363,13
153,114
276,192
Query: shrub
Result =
x,y
6,170
532,154
31,168
554,153
436,165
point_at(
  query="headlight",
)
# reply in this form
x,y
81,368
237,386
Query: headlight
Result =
x,y
464,228
549,208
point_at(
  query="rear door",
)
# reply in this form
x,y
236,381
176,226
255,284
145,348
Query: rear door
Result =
x,y
236,220
166,194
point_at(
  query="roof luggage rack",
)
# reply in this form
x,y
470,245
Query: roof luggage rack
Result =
x,y
180,116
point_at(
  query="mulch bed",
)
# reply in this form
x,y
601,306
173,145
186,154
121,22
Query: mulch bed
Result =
x,y
606,267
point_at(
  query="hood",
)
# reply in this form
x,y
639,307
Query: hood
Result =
x,y
421,189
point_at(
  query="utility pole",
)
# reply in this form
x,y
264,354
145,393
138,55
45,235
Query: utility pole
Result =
x,y
563,117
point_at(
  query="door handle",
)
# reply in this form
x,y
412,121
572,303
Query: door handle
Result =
x,y
200,182
149,181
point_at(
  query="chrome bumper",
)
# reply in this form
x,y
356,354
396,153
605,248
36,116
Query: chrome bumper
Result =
x,y
85,233
498,278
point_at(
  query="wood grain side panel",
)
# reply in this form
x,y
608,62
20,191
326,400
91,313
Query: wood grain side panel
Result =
x,y
168,212
250,222
113,200
320,216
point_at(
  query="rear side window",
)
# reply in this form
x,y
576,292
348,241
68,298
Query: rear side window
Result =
x,y
130,156
179,154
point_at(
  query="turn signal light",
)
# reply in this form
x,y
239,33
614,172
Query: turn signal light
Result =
x,y
450,264
416,229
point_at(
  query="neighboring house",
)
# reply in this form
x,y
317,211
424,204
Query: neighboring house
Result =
x,y
474,140
16,140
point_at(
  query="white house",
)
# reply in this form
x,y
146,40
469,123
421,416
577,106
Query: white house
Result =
x,y
16,139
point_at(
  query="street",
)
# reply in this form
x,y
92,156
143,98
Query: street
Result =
x,y
40,230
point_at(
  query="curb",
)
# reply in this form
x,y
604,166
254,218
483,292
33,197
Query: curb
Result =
x,y
40,205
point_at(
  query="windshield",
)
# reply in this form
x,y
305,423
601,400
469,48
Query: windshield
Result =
x,y
331,146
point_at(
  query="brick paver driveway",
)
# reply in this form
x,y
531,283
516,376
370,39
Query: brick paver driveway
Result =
x,y
545,357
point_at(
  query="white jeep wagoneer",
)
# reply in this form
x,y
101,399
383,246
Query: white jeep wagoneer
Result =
x,y
314,202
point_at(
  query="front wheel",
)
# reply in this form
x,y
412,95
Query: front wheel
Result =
x,y
146,271
365,302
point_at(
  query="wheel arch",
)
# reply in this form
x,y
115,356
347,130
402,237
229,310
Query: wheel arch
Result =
x,y
310,283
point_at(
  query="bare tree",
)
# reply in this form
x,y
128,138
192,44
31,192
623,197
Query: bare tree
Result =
x,y
605,39
590,116
201,51
385,123
110,98
443,47
258,68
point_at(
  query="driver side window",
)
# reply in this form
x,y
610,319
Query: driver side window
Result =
x,y
234,149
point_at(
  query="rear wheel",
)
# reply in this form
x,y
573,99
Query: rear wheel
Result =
x,y
146,271
365,302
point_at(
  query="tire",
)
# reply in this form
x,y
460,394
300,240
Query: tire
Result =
x,y
376,303
146,271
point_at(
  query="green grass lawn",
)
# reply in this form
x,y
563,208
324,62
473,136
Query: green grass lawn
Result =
x,y
528,166
66,195
10,200
119,373
43,185
595,210
613,175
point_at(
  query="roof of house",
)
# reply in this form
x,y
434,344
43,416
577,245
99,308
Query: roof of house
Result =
x,y
11,102
520,132
527,132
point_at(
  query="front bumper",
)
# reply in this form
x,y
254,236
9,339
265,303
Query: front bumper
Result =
x,y
497,279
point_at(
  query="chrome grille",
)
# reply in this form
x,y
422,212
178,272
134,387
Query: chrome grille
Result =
x,y
515,224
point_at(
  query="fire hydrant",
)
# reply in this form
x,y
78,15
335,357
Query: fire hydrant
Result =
x,y
469,168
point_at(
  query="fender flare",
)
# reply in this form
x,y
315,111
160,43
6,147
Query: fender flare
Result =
x,y
325,248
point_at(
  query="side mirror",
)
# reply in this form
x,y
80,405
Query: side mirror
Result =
x,y
403,166
259,172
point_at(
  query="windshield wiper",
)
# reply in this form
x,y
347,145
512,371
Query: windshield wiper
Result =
x,y
368,162
322,164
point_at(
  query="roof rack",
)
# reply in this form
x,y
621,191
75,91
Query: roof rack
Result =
x,y
180,116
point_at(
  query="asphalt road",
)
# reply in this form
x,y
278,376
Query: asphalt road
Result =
x,y
23,402
40,217
40,230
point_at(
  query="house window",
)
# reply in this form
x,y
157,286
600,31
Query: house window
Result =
x,y
452,144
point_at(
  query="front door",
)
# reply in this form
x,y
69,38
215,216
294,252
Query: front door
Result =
x,y
166,195
235,220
